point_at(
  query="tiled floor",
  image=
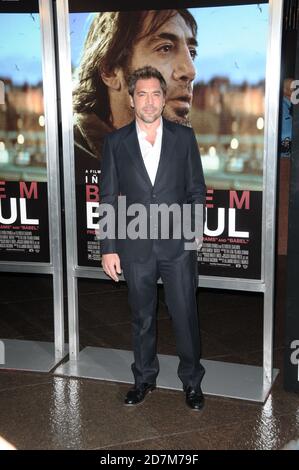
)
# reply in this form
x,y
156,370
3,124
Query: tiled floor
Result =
x,y
41,411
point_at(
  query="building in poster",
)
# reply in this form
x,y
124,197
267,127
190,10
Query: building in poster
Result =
x,y
24,225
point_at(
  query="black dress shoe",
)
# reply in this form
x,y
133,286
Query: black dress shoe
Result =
x,y
194,398
138,393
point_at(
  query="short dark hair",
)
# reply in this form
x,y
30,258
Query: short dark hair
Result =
x,y
145,73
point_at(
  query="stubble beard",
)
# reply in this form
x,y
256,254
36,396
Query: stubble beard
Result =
x,y
174,116
149,119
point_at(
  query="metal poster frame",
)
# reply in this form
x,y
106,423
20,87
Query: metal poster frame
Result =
x,y
33,355
291,360
246,382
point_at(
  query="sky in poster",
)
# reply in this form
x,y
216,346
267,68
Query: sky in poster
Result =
x,y
232,43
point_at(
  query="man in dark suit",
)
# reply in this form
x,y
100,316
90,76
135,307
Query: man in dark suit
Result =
x,y
154,161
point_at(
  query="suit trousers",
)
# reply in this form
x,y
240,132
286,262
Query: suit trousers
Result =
x,y
179,277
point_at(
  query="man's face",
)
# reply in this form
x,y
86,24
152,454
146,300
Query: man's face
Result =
x,y
148,100
171,49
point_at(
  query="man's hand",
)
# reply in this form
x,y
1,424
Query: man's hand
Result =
x,y
111,265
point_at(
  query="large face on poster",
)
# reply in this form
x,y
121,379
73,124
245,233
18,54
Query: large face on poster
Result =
x,y
23,172
213,60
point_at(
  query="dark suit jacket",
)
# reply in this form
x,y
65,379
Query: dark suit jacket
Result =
x,y
179,180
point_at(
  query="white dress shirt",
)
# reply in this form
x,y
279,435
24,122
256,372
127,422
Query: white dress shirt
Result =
x,y
150,153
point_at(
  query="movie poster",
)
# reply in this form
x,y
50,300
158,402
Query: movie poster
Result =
x,y
24,221
215,84
232,240
24,225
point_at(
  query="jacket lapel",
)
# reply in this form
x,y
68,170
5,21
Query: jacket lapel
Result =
x,y
132,144
168,140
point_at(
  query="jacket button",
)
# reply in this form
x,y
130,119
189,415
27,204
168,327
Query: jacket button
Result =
x,y
154,196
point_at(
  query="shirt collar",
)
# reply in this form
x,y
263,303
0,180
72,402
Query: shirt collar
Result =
x,y
142,133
